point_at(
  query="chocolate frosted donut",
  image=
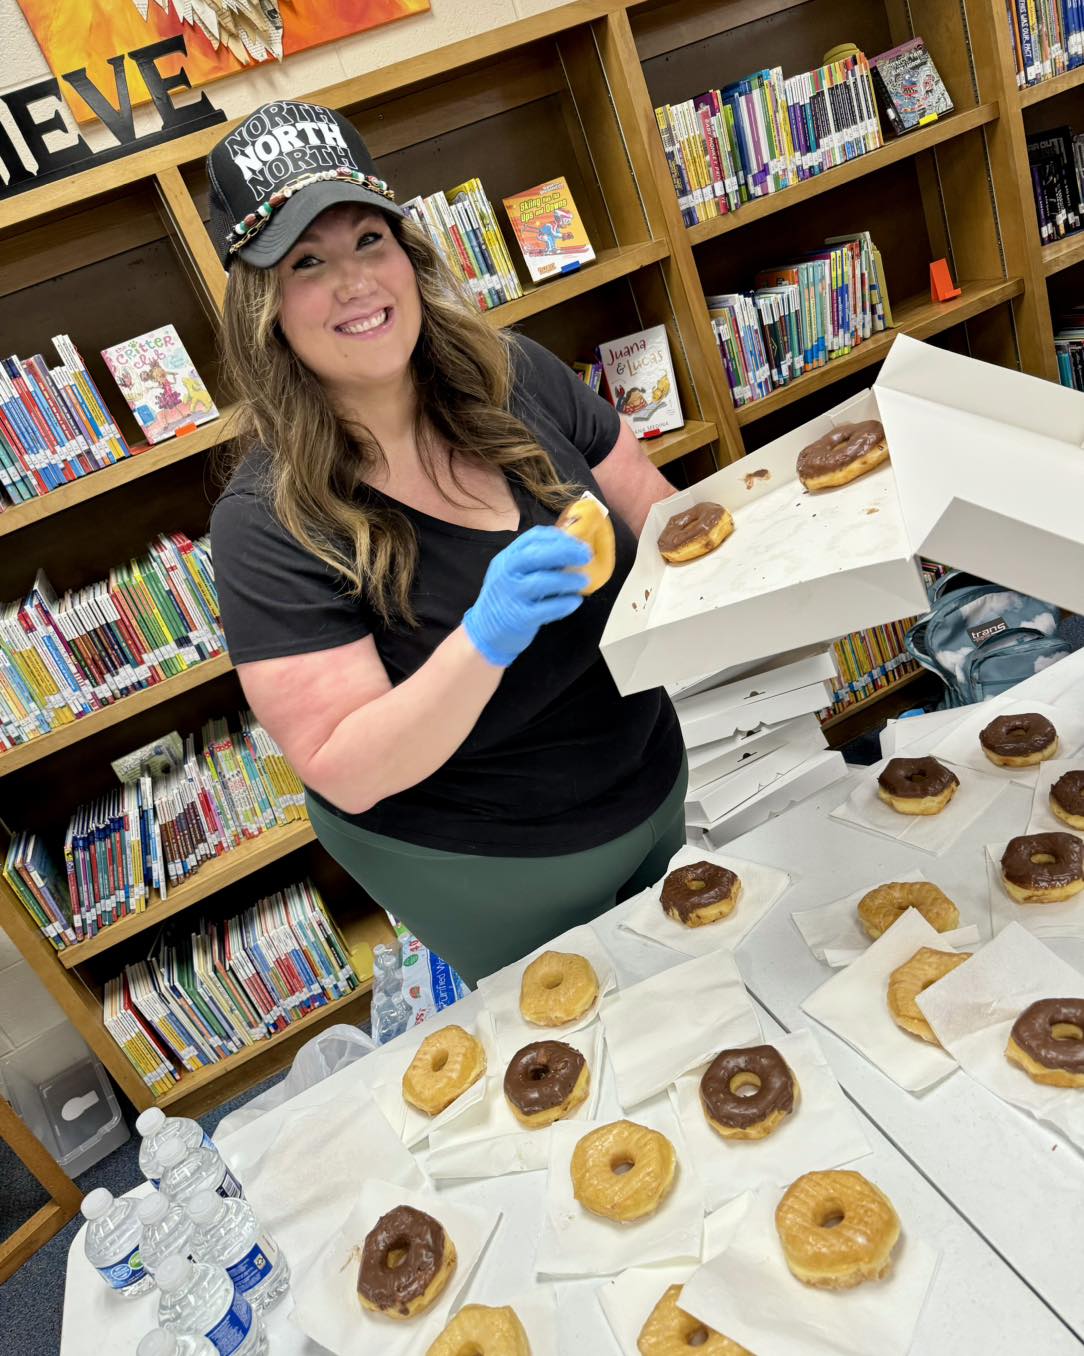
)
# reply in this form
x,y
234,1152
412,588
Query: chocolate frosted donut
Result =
x,y
542,1076
1018,736
409,1231
1062,870
758,1064
907,777
701,885
839,449
694,532
1033,1031
1068,793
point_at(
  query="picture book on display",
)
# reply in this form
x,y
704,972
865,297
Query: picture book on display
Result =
x,y
549,230
160,384
640,380
909,89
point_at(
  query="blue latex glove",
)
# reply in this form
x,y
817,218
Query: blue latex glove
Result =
x,y
531,582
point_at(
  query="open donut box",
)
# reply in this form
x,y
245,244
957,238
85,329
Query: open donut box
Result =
x,y
986,475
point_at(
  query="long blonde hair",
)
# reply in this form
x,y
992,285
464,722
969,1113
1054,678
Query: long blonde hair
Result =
x,y
463,374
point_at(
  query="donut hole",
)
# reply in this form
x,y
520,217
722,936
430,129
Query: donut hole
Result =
x,y
1067,1031
831,1215
1043,858
621,1164
698,1337
537,1074
745,1084
439,1061
553,981
397,1255
917,777
696,885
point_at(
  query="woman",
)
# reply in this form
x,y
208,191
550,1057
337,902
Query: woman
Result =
x,y
405,619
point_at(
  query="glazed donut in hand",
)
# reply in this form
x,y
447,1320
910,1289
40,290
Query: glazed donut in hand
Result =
x,y
557,988
446,1064
695,532
1047,1041
588,521
1043,868
916,786
885,905
700,893
1067,799
544,1082
907,981
406,1261
1019,741
735,1115
670,1331
622,1171
846,453
837,1229
478,1330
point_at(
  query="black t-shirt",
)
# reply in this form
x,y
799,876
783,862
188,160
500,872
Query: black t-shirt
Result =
x,y
558,761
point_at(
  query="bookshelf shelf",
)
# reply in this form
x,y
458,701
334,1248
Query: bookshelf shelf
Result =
x,y
1050,89
902,149
675,444
608,266
1063,254
872,699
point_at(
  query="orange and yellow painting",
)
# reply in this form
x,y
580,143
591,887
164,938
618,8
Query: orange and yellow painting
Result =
x,y
222,36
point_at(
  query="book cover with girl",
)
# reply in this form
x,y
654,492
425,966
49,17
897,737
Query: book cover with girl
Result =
x,y
159,382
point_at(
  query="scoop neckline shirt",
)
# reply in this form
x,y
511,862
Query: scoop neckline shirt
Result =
x,y
558,761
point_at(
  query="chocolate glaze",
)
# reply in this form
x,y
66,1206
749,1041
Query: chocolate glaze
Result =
x,y
679,900
1033,1033
422,1237
776,1091
1017,736
689,524
542,1076
839,448
916,777
1068,791
1067,866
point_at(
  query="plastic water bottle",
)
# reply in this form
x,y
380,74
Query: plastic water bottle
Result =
x,y
186,1171
228,1235
113,1243
156,1127
199,1300
166,1230
390,1012
161,1342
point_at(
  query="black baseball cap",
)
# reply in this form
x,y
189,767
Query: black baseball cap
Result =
x,y
278,170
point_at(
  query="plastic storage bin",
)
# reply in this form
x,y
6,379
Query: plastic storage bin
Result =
x,y
65,1097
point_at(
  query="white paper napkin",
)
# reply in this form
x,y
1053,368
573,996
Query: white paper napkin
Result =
x,y
326,1305
974,1015
500,992
864,809
670,1023
1043,819
834,934
748,1292
761,886
488,1141
1041,920
576,1242
961,745
824,1131
854,1004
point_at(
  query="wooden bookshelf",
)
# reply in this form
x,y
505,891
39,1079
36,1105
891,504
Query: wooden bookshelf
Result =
x,y
1063,253
872,699
609,265
1050,89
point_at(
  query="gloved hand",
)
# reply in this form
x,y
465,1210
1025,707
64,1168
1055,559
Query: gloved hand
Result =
x,y
527,584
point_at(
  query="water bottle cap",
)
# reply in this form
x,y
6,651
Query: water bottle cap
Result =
x,y
152,1208
147,1122
97,1203
173,1274
158,1343
174,1151
205,1206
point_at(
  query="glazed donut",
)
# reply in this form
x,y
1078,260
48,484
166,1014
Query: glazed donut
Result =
x,y
916,786
588,521
406,1262
1067,799
478,1330
884,905
650,1164
846,453
446,1064
670,1331
1047,1041
1019,741
544,1082
737,1116
557,988
837,1229
910,979
695,532
700,893
1043,868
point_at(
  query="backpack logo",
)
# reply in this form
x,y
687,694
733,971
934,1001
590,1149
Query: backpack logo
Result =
x,y
982,633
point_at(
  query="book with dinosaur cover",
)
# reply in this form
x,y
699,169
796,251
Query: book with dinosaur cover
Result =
x,y
159,382
640,378
549,230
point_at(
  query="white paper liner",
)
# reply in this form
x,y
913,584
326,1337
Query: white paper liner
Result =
x,y
761,887
825,1131
854,1004
488,1141
1041,920
935,834
411,1125
1043,819
500,992
326,1305
749,1293
834,934
662,1027
961,745
974,1014
576,1242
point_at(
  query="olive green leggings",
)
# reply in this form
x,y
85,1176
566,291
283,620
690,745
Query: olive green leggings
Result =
x,y
480,913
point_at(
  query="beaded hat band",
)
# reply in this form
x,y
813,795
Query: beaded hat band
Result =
x,y
251,225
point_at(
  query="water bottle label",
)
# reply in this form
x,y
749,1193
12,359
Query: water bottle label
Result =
x,y
155,1182
128,1271
256,1265
230,1186
208,1142
232,1329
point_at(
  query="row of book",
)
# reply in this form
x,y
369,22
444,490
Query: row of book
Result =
x,y
1056,163
1047,38
800,316
869,661
462,225
196,1000
124,851
1069,347
64,657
